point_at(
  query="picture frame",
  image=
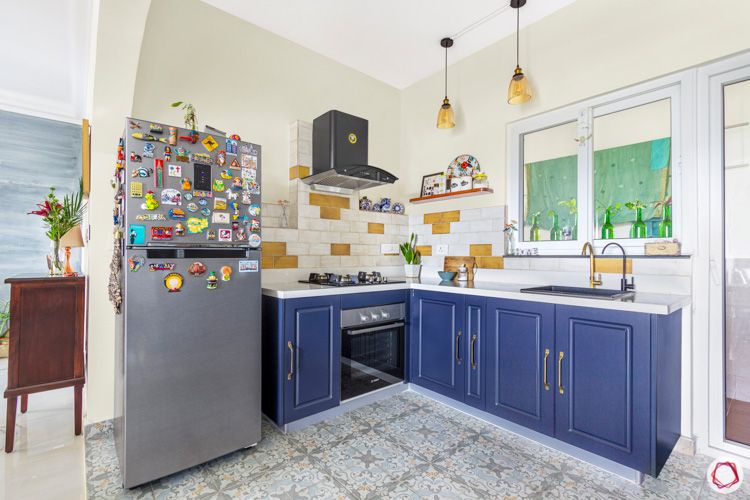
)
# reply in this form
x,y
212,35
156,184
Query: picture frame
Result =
x,y
433,184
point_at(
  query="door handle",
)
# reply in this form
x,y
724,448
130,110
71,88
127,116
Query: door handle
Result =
x,y
290,375
458,347
559,372
546,357
473,354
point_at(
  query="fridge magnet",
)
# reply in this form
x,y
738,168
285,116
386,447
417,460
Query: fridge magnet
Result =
x,y
248,149
220,218
205,211
142,172
249,161
254,210
225,174
176,214
211,234
196,225
231,146
220,204
235,210
212,282
161,232
235,137
143,137
150,202
247,266
150,217
192,207
225,235
179,229
248,173
244,219
135,158
161,266
235,165
136,189
167,153
159,173
235,225
255,225
240,235
254,240
120,148
135,263
203,195
187,186
253,187
181,154
226,273
218,185
203,202
155,128
237,184
231,195
246,199
172,136
209,143
192,138
137,234
171,197
197,268
174,170
201,158
148,150
133,124
221,158
173,282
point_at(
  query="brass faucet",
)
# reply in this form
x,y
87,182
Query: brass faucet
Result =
x,y
593,280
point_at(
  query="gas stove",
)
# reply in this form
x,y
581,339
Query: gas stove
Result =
x,y
362,278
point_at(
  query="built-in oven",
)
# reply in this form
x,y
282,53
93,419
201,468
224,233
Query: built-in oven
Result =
x,y
372,348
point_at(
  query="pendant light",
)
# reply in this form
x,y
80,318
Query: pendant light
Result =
x,y
446,118
519,90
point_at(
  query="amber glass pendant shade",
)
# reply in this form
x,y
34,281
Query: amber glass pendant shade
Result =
x,y
519,90
446,118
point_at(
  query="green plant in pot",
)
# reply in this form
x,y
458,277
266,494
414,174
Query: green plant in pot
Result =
x,y
191,121
608,229
638,228
412,257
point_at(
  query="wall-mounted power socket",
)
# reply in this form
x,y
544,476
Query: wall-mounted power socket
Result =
x,y
389,249
441,249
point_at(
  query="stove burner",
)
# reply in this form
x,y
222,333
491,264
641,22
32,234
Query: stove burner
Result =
x,y
362,278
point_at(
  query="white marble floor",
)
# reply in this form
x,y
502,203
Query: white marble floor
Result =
x,y
48,459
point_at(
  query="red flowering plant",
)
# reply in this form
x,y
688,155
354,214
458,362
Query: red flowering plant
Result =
x,y
59,217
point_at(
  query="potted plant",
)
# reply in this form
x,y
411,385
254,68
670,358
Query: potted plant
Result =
x,y
191,121
638,228
412,257
570,231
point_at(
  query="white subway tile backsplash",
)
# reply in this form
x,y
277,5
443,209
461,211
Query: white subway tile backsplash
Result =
x,y
280,234
312,211
471,214
341,226
458,249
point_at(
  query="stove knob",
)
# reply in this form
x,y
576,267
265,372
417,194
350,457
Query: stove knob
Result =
x,y
363,317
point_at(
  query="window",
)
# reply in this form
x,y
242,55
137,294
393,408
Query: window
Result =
x,y
600,170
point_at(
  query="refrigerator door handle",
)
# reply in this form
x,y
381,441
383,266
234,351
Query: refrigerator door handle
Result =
x,y
290,375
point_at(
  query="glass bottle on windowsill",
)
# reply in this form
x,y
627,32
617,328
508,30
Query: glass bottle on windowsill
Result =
x,y
555,233
665,226
638,229
608,230
534,231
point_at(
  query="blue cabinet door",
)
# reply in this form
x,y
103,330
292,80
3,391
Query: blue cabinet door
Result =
x,y
519,362
474,323
437,356
602,396
311,361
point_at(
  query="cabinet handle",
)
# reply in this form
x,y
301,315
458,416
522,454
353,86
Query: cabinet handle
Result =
x,y
546,357
290,375
559,373
458,347
473,354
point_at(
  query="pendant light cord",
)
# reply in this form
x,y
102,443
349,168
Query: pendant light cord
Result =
x,y
446,72
518,25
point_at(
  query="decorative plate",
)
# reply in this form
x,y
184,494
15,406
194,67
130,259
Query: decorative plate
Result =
x,y
463,165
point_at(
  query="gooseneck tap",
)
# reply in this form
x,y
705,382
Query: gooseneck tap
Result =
x,y
624,285
593,280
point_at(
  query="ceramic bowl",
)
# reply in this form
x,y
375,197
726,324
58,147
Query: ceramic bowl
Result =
x,y
446,275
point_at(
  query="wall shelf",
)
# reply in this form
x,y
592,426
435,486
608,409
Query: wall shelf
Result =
x,y
447,196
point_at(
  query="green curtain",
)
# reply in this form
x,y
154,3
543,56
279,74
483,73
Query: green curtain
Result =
x,y
640,171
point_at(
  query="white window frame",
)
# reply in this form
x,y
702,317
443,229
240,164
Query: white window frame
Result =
x,y
678,87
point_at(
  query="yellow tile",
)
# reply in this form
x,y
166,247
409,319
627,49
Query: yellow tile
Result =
x,y
425,250
452,216
285,262
441,228
490,262
340,249
613,266
328,200
375,228
298,172
480,250
266,262
273,248
333,213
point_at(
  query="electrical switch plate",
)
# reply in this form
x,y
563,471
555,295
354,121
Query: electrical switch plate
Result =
x,y
389,248
441,249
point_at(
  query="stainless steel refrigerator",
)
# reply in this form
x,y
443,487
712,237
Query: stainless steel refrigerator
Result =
x,y
187,385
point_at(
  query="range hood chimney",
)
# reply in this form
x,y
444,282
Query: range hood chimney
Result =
x,y
340,155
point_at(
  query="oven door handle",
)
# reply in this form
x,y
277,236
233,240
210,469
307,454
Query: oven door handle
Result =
x,y
374,328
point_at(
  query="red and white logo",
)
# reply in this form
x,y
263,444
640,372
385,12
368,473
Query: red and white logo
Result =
x,y
724,475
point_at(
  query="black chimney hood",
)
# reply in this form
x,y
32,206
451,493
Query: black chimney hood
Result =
x,y
340,146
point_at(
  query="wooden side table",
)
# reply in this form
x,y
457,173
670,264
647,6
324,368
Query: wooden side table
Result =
x,y
47,323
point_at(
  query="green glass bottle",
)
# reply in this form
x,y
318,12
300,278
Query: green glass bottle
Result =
x,y
608,230
638,229
534,233
555,233
665,226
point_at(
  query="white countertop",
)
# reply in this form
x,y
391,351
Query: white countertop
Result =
x,y
651,303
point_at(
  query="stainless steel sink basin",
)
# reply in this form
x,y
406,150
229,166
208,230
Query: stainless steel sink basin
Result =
x,y
573,291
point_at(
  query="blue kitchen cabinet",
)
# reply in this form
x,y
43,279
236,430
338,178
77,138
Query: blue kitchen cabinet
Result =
x,y
436,352
474,346
519,362
301,356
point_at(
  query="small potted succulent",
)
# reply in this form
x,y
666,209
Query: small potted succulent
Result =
x,y
412,257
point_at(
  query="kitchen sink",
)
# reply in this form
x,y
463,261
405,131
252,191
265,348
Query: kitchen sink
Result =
x,y
574,291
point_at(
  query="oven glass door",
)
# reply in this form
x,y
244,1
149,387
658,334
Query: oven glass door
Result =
x,y
372,357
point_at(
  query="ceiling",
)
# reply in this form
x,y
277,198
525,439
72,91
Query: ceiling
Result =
x,y
395,41
45,57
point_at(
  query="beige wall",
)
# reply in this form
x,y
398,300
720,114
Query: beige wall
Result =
x,y
588,48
